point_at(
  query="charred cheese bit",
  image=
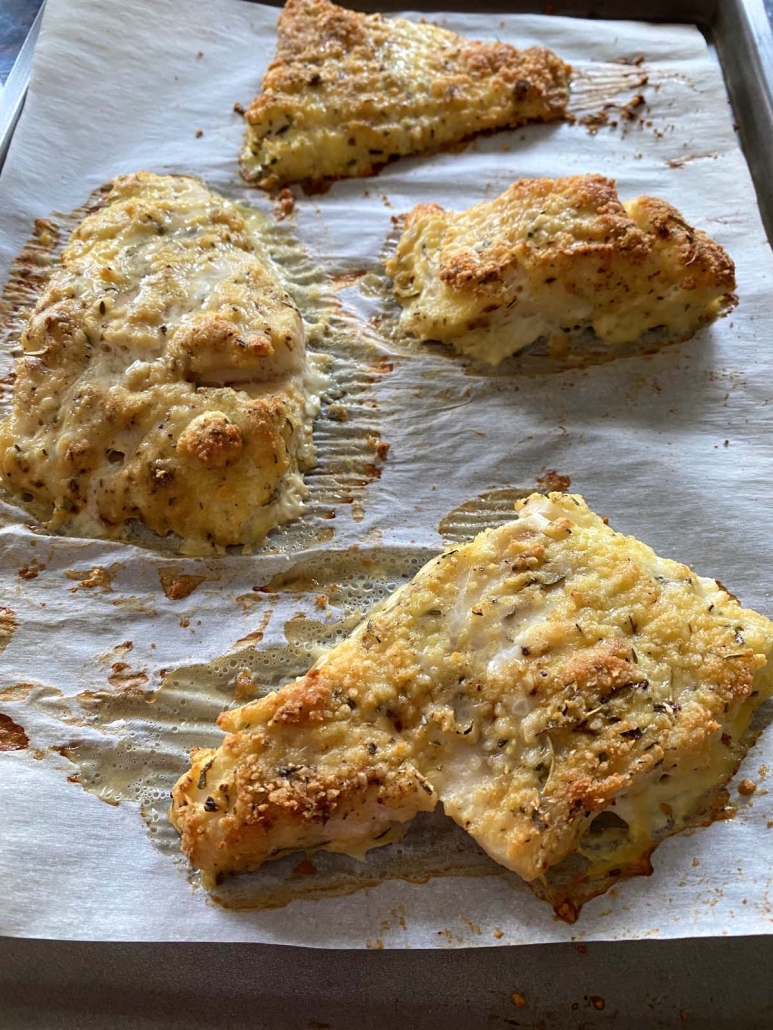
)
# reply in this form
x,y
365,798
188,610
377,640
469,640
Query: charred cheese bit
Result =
x,y
548,671
348,92
163,376
553,259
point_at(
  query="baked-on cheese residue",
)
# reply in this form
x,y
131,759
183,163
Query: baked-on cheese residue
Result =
x,y
348,92
548,671
552,259
162,378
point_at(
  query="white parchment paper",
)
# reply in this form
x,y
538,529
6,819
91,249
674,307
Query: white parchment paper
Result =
x,y
673,447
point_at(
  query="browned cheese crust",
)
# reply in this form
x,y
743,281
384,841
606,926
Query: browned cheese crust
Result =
x,y
162,378
348,92
546,672
551,259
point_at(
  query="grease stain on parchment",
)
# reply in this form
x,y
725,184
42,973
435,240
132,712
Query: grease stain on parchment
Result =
x,y
255,636
16,692
136,605
123,676
489,509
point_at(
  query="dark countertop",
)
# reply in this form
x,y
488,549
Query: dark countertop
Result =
x,y
16,17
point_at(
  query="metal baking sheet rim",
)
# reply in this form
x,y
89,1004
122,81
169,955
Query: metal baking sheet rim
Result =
x,y
739,29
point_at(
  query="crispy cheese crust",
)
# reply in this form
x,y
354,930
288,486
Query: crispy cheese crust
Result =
x,y
546,672
555,258
162,376
348,92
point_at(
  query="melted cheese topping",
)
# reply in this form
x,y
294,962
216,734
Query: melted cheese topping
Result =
x,y
163,376
529,681
348,92
554,258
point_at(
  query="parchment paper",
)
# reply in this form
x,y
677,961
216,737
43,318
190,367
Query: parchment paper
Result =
x,y
674,448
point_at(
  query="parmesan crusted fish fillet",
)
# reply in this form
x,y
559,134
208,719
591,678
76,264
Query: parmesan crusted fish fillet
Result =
x,y
348,92
162,378
554,259
548,671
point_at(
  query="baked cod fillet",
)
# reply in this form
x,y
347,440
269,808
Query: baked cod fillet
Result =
x,y
162,378
348,92
548,671
555,259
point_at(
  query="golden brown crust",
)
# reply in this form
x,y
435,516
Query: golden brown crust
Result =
x,y
546,672
348,92
306,702
163,376
683,246
211,439
554,258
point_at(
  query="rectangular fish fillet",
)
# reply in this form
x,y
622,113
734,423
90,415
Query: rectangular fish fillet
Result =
x,y
163,376
556,259
548,671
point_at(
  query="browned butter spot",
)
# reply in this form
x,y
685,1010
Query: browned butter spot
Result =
x,y
31,571
177,585
467,922
305,868
12,735
284,204
115,653
123,677
550,481
8,624
256,635
95,577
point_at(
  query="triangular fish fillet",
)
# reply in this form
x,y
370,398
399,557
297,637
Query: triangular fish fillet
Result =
x,y
348,92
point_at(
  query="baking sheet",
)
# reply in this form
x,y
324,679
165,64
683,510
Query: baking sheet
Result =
x,y
671,446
